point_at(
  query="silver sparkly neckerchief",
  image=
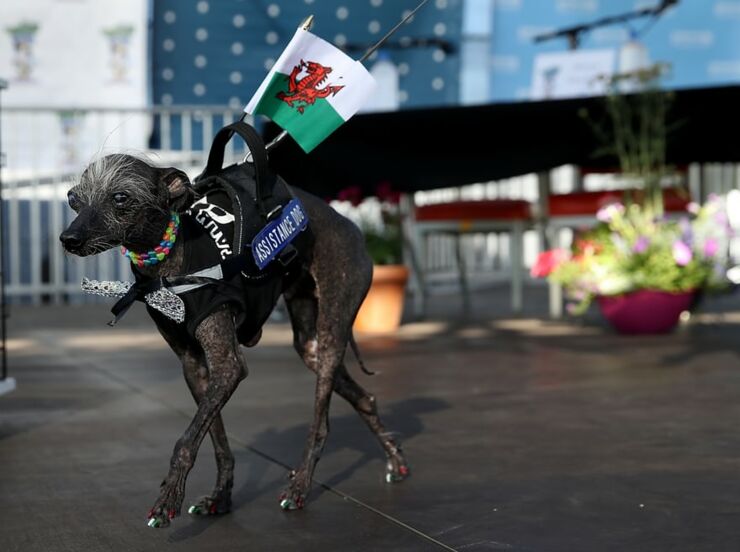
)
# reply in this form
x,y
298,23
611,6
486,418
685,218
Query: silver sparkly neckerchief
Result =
x,y
162,299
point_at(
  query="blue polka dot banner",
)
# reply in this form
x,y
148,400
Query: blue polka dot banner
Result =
x,y
700,39
217,52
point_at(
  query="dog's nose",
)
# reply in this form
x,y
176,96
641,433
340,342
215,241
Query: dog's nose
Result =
x,y
71,241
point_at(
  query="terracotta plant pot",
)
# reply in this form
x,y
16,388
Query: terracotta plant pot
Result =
x,y
382,309
645,311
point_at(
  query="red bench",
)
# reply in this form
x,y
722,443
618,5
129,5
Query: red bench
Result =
x,y
580,204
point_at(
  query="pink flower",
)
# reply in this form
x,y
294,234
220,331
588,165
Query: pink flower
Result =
x,y
641,245
711,246
384,191
682,253
547,261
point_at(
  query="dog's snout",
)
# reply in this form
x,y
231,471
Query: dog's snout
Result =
x,y
71,240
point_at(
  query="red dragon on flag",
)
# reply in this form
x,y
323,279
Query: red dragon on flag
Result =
x,y
306,90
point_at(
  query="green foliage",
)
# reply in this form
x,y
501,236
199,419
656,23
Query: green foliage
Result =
x,y
637,130
119,31
385,247
23,28
379,218
658,270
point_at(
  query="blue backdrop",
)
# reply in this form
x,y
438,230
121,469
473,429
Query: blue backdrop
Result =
x,y
218,51
700,38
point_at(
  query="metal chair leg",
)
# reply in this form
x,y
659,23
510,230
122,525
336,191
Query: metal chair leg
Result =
x,y
516,247
462,274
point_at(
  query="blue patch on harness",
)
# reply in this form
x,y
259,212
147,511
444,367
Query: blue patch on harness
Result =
x,y
278,234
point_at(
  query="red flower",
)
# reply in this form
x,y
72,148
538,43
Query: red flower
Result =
x,y
548,261
384,191
353,194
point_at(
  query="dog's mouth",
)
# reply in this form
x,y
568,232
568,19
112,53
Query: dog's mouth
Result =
x,y
77,252
86,248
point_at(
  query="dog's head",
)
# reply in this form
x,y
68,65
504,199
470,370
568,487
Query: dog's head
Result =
x,y
122,200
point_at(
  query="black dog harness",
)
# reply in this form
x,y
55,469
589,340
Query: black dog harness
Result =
x,y
245,238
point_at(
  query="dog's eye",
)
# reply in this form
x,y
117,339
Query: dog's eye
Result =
x,y
74,201
120,198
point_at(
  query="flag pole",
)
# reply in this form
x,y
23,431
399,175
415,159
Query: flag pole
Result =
x,y
306,26
393,31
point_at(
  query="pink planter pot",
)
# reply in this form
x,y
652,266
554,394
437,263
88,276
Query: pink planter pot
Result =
x,y
645,311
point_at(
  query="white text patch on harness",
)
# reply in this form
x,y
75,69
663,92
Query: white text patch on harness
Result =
x,y
216,220
278,234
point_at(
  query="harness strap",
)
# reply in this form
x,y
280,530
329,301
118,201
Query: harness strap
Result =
x,y
217,275
264,179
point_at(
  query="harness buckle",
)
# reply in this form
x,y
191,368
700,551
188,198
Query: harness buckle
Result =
x,y
274,213
287,256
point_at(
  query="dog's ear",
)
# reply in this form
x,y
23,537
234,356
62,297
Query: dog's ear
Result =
x,y
179,190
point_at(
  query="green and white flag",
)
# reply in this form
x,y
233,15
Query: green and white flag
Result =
x,y
312,89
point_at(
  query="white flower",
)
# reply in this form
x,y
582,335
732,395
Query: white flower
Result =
x,y
609,212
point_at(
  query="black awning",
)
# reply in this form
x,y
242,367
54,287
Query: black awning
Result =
x,y
425,149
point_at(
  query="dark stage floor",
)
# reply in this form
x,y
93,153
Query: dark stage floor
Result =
x,y
523,435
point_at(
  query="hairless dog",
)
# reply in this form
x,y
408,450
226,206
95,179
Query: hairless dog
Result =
x,y
123,200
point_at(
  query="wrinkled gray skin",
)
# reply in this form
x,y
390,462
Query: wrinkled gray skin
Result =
x,y
121,200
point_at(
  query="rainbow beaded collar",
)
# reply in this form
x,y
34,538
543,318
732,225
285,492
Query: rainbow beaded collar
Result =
x,y
159,253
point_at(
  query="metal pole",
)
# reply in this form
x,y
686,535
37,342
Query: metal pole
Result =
x,y
3,313
573,34
390,33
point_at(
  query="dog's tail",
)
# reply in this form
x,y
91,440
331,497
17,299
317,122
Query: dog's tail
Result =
x,y
356,351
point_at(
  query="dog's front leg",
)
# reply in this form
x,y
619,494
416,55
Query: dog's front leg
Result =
x,y
219,501
217,337
195,371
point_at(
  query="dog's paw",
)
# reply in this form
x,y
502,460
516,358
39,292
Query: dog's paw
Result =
x,y
211,506
158,518
292,501
396,473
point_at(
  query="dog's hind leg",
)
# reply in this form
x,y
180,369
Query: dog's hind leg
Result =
x,y
195,371
216,335
323,353
295,495
364,403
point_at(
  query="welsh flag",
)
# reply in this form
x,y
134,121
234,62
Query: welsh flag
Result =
x,y
312,89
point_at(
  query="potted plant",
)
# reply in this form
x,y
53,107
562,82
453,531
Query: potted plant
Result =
x,y
642,268
379,217
643,271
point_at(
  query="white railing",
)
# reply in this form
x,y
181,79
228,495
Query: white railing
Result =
x,y
53,140
45,151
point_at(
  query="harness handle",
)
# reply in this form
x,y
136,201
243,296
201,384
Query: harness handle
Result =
x,y
263,179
